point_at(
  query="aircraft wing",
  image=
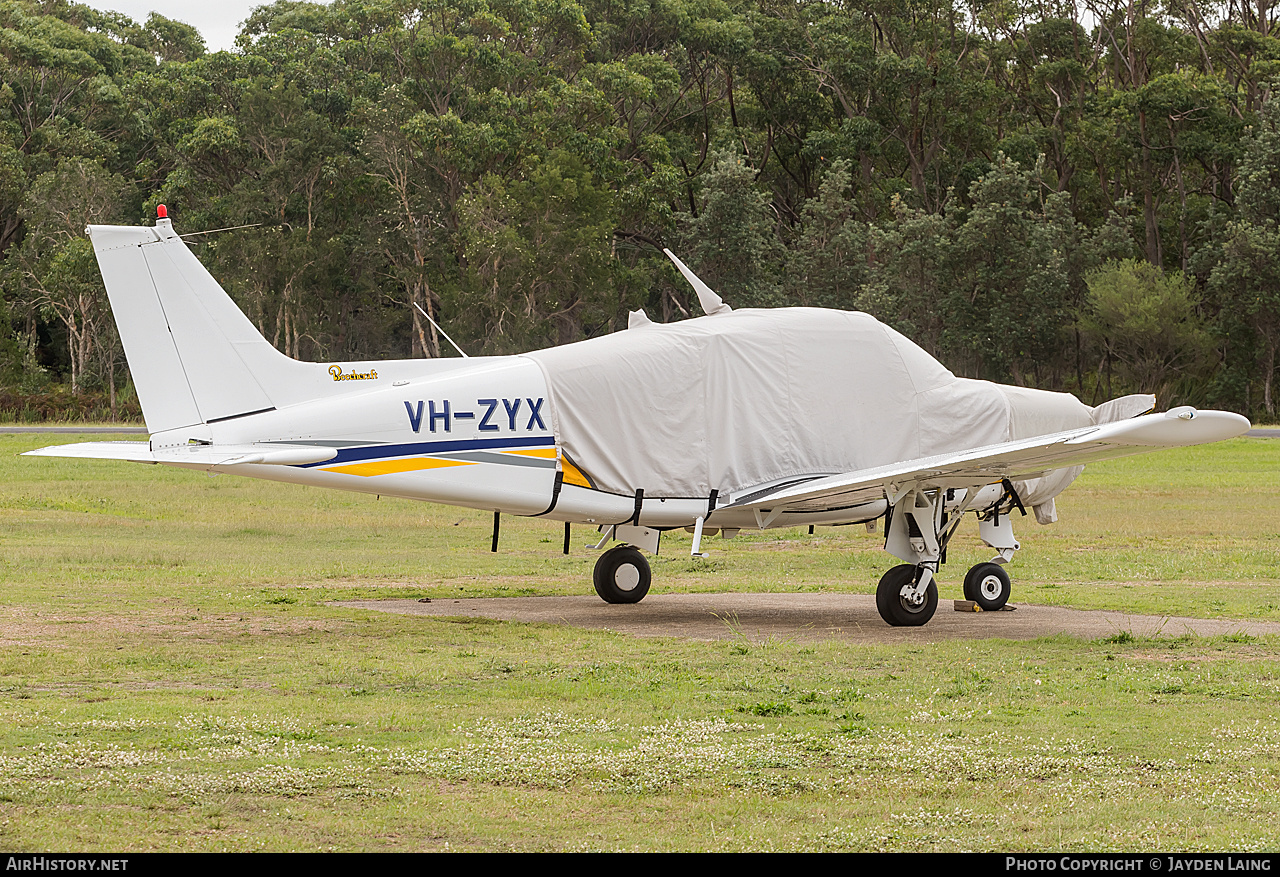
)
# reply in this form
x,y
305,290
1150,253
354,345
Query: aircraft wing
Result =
x,y
1025,458
193,454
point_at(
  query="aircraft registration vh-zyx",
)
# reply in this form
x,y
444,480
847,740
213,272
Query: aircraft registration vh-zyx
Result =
x,y
749,418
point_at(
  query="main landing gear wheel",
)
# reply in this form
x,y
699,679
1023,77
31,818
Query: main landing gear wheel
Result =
x,y
622,575
900,609
988,585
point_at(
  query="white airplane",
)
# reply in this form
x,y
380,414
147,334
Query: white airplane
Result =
x,y
737,419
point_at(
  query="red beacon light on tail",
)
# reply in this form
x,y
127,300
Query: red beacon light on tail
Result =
x,y
162,212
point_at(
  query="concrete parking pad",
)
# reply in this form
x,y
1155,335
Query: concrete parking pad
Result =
x,y
808,617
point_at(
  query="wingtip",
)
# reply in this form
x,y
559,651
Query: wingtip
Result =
x,y
1179,427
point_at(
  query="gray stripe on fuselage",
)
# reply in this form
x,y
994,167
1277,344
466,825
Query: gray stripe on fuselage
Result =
x,y
506,459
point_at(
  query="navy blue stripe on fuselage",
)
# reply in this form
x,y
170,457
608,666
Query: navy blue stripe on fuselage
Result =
x,y
379,452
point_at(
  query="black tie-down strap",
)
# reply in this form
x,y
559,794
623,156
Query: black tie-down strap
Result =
x,y
1015,501
1012,494
555,495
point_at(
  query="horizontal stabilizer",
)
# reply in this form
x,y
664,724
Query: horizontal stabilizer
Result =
x,y
136,452
1026,458
194,454
237,455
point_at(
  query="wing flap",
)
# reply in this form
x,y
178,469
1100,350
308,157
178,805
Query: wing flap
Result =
x,y
1026,458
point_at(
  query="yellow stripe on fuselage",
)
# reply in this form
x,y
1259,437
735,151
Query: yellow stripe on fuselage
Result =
x,y
390,467
544,453
574,475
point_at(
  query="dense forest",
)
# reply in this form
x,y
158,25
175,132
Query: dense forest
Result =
x,y
1071,194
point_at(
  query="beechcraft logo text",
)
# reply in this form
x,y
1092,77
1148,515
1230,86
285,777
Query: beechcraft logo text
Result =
x,y
336,371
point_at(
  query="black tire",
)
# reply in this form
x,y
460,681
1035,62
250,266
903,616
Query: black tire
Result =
x,y
898,612
622,575
988,585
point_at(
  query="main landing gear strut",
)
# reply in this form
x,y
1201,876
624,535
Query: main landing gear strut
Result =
x,y
921,523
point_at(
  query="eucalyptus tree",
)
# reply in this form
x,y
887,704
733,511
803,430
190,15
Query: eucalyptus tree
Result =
x,y
1246,278
1010,303
1049,68
1149,326
54,264
731,241
1164,128
1239,44
827,265
911,79
539,256
65,134
264,138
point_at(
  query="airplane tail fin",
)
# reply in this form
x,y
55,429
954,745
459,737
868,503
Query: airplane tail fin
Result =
x,y
194,356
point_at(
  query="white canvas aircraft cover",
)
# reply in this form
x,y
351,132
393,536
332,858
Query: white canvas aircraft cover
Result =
x,y
750,397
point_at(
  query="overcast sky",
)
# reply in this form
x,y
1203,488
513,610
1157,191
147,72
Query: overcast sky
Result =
x,y
217,22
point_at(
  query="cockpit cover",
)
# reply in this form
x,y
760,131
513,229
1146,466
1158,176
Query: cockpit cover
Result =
x,y
752,397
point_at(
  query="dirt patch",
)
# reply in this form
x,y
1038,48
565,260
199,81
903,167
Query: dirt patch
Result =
x,y
808,617
22,627
426,584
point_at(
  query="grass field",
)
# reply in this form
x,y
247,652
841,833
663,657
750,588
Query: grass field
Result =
x,y
172,677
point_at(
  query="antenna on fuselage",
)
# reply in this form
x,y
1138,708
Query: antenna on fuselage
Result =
x,y
441,331
711,303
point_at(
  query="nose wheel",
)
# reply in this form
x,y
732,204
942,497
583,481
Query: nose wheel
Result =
x,y
988,585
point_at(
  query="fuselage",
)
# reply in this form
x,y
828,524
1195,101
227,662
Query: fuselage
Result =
x,y
479,435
